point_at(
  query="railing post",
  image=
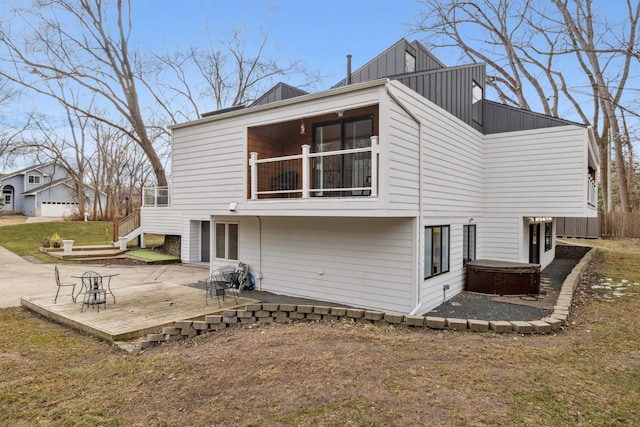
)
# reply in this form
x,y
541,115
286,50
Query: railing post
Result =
x,y
254,175
306,149
374,166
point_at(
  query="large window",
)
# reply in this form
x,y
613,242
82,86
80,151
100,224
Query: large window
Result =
x,y
436,250
226,241
468,243
337,175
476,102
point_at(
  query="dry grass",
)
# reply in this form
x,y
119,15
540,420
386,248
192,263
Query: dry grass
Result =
x,y
314,374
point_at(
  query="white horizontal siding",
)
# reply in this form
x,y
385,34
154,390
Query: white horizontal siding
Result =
x,y
539,172
364,262
400,171
452,169
160,220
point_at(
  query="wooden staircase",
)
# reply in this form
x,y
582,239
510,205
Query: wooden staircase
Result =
x,y
126,228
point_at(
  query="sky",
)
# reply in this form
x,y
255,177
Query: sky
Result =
x,y
320,33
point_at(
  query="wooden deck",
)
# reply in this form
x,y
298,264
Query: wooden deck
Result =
x,y
140,310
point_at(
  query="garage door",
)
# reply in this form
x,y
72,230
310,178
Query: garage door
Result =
x,y
58,208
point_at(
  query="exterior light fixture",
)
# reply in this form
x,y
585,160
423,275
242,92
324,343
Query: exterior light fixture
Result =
x,y
302,128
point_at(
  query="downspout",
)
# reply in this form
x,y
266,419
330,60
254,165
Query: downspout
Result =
x,y
416,309
259,252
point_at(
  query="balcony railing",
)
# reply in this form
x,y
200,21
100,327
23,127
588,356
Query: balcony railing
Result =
x,y
592,194
340,173
156,197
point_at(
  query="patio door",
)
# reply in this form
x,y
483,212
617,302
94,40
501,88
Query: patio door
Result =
x,y
205,241
332,174
534,243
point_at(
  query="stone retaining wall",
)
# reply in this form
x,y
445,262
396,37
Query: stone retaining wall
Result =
x,y
261,313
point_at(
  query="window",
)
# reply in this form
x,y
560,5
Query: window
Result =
x,y
476,102
468,243
226,241
337,175
409,62
548,236
436,250
33,179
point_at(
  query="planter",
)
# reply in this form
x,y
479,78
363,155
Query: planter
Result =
x,y
123,243
68,245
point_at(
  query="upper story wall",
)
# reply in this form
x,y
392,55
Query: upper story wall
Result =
x,y
452,158
210,157
540,172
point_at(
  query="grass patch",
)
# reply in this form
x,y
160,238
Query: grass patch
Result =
x,y
151,255
26,239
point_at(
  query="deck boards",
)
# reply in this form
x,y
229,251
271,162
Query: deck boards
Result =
x,y
139,310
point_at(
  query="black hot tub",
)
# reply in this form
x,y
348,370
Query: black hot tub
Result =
x,y
502,277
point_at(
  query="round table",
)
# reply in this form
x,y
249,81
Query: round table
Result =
x,y
103,274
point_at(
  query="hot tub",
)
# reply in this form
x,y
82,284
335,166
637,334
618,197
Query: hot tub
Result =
x,y
502,277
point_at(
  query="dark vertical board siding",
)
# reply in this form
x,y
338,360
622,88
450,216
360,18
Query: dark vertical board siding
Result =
x,y
503,118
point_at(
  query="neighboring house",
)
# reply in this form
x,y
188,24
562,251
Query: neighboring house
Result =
x,y
374,193
42,190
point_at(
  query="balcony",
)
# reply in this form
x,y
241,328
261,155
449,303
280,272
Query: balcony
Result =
x,y
337,173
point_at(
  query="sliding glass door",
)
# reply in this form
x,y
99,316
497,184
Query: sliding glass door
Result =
x,y
342,174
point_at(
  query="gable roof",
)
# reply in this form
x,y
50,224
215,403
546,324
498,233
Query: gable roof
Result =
x,y
62,181
279,92
26,170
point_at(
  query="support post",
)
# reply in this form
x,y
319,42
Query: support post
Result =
x,y
306,149
374,166
254,175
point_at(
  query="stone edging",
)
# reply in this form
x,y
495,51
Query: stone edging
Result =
x,y
264,313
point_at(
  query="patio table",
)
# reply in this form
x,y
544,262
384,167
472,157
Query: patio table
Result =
x,y
104,274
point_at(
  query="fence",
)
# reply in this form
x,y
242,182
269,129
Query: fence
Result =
x,y
613,224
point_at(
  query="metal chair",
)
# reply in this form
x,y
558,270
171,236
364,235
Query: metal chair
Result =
x,y
94,294
221,280
60,284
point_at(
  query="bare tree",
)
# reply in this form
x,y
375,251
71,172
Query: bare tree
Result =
x,y
226,74
75,43
533,47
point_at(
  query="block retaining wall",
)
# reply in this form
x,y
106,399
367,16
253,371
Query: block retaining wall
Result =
x,y
262,313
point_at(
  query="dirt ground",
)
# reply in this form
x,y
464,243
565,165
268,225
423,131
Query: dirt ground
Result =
x,y
12,220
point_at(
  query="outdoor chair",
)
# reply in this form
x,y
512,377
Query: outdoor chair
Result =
x,y
221,280
61,284
94,294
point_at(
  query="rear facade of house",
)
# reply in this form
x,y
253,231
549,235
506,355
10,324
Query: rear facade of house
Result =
x,y
374,193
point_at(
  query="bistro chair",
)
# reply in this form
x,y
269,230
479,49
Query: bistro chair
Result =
x,y
61,284
221,280
94,294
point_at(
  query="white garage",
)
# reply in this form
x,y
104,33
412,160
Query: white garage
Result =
x,y
52,208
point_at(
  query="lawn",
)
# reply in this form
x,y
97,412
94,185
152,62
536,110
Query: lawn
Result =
x,y
322,373
26,239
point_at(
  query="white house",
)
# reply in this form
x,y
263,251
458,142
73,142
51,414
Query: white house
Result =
x,y
374,193
42,190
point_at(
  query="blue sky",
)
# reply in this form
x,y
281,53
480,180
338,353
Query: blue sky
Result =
x,y
320,33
